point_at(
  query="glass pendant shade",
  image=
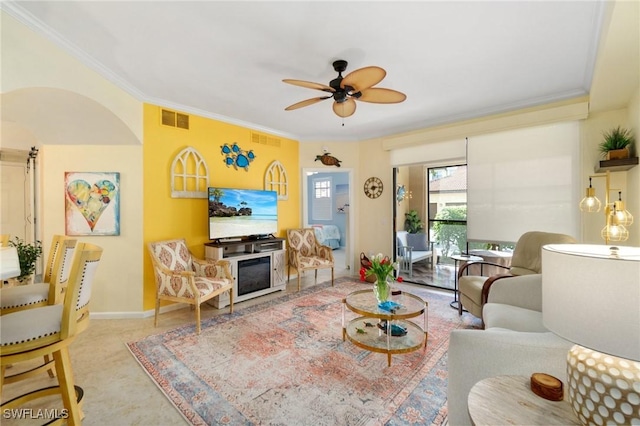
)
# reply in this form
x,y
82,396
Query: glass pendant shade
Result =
x,y
616,216
590,202
614,231
624,217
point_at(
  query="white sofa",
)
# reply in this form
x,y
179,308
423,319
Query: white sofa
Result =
x,y
514,341
408,254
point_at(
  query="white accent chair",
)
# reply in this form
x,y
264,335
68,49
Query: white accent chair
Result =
x,y
514,342
526,260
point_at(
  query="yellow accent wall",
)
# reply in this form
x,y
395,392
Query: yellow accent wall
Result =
x,y
168,218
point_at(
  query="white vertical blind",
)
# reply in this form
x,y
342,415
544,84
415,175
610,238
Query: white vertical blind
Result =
x,y
523,180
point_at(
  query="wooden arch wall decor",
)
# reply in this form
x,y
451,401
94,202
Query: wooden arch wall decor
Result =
x,y
275,179
189,175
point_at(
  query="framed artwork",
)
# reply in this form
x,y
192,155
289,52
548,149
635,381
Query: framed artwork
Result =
x,y
92,203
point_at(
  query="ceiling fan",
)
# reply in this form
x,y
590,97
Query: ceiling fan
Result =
x,y
344,90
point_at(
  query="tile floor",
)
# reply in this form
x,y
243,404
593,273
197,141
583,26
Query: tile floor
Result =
x,y
117,390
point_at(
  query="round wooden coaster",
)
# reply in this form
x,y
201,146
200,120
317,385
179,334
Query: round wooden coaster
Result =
x,y
547,387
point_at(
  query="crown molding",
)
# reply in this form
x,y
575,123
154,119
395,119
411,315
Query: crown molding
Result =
x,y
568,110
26,18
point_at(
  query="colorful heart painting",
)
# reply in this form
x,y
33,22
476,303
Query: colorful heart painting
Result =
x,y
91,200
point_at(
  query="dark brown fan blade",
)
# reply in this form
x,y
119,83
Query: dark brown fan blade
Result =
x,y
309,85
378,95
344,109
305,103
363,78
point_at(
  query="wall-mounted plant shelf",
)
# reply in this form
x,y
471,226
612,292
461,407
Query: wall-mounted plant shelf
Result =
x,y
619,165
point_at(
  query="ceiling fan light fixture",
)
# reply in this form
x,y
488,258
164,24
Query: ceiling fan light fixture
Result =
x,y
345,108
357,84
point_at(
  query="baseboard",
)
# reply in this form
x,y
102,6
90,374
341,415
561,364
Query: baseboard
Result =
x,y
137,315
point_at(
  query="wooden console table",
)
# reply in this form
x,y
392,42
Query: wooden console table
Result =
x,y
503,400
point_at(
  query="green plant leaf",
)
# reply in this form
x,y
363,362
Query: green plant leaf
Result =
x,y
617,138
412,222
28,255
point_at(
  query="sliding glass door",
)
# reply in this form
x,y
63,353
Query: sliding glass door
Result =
x,y
447,207
431,222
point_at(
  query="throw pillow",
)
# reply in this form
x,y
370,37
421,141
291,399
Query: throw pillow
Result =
x,y
419,242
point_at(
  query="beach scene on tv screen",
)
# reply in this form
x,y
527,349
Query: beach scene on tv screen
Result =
x,y
242,212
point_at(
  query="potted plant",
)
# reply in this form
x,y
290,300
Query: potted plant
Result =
x,y
28,255
616,143
412,222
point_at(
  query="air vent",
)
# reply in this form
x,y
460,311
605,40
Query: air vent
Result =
x,y
175,119
265,140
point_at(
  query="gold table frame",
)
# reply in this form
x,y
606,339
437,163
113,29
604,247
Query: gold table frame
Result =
x,y
364,332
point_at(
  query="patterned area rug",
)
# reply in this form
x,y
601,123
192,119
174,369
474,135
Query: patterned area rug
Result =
x,y
283,362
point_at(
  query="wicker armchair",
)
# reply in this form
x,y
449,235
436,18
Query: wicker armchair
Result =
x,y
180,277
305,253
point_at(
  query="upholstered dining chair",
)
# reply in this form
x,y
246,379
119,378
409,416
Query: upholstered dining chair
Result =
x,y
23,297
526,259
34,333
181,277
48,292
305,253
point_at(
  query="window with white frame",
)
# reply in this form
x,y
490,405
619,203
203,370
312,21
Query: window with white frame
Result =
x,y
321,200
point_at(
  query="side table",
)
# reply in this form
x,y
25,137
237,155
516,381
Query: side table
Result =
x,y
509,400
457,258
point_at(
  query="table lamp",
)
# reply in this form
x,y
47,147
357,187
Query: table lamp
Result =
x,y
591,297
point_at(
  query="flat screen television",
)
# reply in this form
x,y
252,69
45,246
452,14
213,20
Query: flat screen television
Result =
x,y
242,213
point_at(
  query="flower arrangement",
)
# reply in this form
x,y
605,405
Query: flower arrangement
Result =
x,y
382,268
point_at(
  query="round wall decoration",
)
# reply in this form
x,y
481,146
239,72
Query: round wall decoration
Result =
x,y
373,187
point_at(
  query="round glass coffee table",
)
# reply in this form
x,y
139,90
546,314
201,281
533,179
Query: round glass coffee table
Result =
x,y
384,331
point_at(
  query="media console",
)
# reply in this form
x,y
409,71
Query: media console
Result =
x,y
258,267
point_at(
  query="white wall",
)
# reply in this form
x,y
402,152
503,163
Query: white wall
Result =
x,y
31,61
37,72
633,175
118,281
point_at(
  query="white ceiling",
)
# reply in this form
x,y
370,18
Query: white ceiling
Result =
x,y
226,60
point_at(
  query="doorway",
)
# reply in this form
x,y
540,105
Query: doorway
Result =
x,y
17,209
326,204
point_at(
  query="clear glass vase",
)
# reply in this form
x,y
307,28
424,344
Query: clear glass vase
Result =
x,y
382,289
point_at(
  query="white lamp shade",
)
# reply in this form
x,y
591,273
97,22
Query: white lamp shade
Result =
x,y
592,298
